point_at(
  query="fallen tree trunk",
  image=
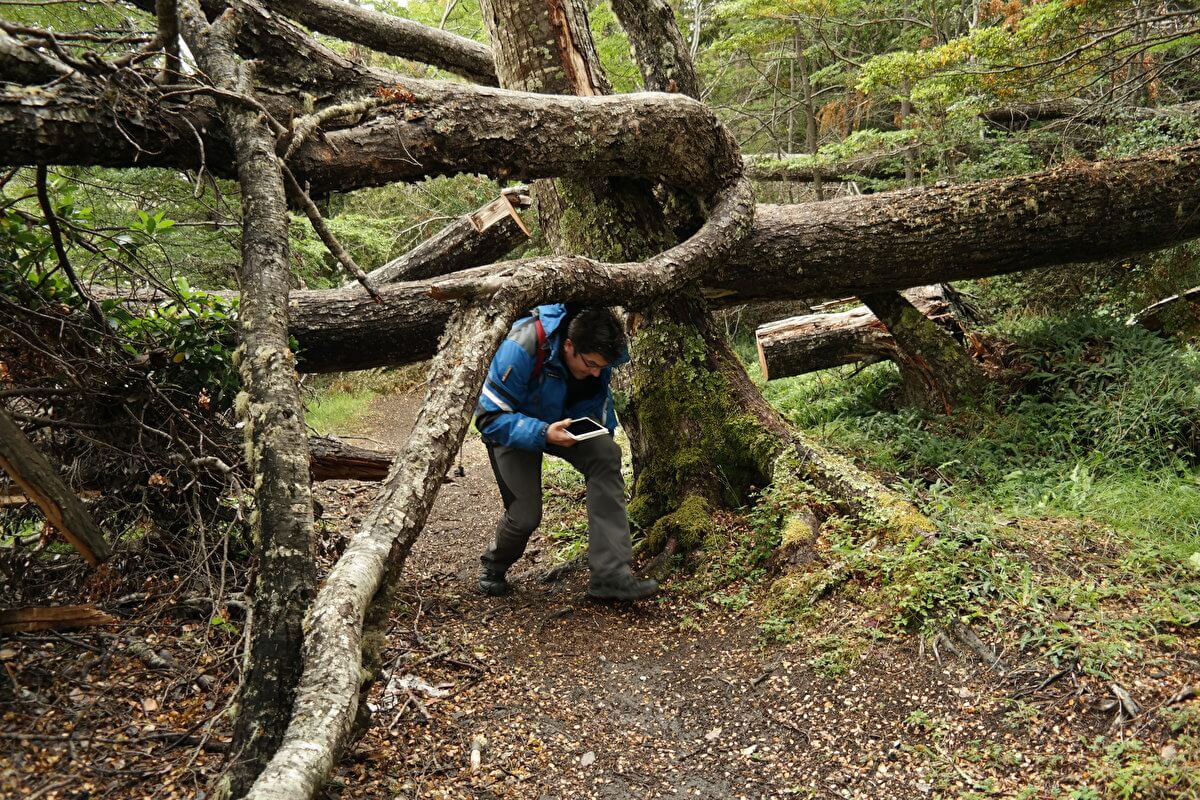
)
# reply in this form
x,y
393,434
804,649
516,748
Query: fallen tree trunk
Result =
x,y
894,240
912,237
481,237
30,470
441,128
332,459
813,342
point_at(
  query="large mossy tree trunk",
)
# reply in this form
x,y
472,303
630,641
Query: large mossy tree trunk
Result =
x,y
701,436
695,446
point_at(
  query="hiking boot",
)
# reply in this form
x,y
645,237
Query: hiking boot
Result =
x,y
493,582
621,587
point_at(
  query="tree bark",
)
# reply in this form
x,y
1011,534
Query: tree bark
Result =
x,y
394,35
330,459
658,46
270,407
35,476
895,240
935,371
812,342
481,237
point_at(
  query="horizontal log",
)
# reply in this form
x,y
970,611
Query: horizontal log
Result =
x,y
431,128
893,240
812,342
332,459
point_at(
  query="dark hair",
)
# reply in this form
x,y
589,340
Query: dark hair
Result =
x,y
596,330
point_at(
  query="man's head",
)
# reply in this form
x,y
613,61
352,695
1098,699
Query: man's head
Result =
x,y
594,340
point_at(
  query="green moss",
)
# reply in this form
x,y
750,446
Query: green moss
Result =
x,y
797,531
702,446
688,525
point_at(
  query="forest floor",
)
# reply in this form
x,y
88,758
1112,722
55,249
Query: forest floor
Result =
x,y
542,694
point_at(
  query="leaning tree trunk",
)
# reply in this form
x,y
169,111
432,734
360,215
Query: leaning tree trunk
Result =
x,y
936,373
270,407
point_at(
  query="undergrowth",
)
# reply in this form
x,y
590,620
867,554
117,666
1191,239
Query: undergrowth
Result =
x,y
1068,509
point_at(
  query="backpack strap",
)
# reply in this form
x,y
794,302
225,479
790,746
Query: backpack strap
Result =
x,y
539,359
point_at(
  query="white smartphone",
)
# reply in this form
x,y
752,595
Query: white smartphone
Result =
x,y
585,428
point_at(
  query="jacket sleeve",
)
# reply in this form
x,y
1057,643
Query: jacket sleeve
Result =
x,y
506,389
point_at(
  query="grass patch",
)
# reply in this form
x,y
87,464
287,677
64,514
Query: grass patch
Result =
x,y
337,402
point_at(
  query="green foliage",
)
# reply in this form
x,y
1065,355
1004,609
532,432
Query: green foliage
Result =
x,y
1080,494
187,338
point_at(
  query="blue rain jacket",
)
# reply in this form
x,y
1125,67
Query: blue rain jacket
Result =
x,y
516,407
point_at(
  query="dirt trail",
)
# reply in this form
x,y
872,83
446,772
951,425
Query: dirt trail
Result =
x,y
661,700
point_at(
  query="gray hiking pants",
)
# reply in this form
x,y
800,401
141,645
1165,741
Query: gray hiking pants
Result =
x,y
519,474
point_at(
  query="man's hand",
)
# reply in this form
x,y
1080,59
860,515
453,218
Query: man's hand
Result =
x,y
557,434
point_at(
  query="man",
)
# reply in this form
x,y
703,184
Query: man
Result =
x,y
553,368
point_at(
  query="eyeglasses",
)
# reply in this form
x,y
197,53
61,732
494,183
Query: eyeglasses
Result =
x,y
587,362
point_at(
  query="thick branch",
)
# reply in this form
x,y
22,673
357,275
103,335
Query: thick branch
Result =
x,y
26,64
481,237
395,35
30,471
443,129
